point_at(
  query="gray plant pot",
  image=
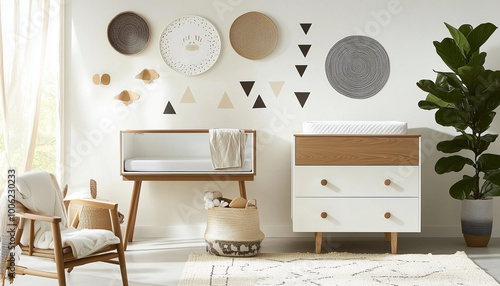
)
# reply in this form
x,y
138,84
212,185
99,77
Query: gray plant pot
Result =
x,y
477,221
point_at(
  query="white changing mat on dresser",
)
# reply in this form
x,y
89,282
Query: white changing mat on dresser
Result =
x,y
355,127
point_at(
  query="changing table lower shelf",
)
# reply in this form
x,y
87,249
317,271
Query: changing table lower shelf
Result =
x,y
136,191
389,236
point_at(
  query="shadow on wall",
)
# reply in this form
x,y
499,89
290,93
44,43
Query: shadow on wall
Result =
x,y
438,208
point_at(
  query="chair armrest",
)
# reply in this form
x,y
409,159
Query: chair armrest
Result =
x,y
37,217
95,203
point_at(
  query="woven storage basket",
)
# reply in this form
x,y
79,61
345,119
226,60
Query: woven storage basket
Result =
x,y
233,231
94,218
91,217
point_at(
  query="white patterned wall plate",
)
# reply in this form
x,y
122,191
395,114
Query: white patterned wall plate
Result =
x,y
190,45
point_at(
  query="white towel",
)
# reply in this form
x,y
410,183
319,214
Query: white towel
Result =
x,y
37,192
227,148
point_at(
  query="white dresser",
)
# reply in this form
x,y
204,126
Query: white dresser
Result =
x,y
356,183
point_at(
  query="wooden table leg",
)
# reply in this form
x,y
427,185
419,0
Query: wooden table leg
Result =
x,y
243,192
394,242
132,214
318,237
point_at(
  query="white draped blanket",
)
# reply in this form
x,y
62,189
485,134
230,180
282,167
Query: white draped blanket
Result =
x,y
227,148
38,193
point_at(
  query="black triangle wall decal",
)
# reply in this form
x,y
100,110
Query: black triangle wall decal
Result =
x,y
169,109
304,49
305,27
301,69
302,97
259,103
247,86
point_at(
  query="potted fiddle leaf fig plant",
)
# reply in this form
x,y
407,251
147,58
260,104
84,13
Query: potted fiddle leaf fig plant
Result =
x,y
465,98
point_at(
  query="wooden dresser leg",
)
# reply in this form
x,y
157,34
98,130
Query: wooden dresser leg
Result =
x,y
243,191
394,242
132,214
318,238
387,236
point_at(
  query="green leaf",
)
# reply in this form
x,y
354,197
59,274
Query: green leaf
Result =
x,y
450,79
466,29
470,137
450,117
452,96
489,81
479,35
485,141
434,99
488,90
489,137
469,75
453,163
460,40
491,100
488,162
493,177
484,121
463,188
454,145
477,59
490,190
450,53
427,105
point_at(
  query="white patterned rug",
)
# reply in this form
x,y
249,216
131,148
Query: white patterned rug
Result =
x,y
334,269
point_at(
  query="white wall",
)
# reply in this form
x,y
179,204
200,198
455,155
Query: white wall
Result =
x,y
93,118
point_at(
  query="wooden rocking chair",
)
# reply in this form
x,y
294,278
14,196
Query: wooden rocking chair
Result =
x,y
63,256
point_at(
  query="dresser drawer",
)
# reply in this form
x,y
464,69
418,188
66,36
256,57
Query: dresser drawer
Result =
x,y
356,181
356,215
357,150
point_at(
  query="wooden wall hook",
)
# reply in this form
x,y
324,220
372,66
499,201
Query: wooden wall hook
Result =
x,y
127,96
105,79
147,75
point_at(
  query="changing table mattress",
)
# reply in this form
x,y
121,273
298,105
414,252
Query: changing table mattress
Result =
x,y
178,164
355,127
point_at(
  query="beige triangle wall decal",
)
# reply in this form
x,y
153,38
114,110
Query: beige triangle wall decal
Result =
x,y
188,96
225,102
276,86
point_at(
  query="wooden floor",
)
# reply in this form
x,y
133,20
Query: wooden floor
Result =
x,y
160,261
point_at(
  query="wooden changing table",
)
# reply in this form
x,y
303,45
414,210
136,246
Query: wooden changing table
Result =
x,y
139,177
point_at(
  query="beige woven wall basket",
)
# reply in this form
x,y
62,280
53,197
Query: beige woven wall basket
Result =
x,y
233,231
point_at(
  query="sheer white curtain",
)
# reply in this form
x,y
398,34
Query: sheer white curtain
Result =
x,y
28,47
25,51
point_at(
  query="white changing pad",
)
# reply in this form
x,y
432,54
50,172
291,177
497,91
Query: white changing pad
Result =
x,y
355,127
178,164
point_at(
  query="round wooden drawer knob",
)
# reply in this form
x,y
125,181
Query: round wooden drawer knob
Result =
x,y
324,214
387,215
387,182
324,182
